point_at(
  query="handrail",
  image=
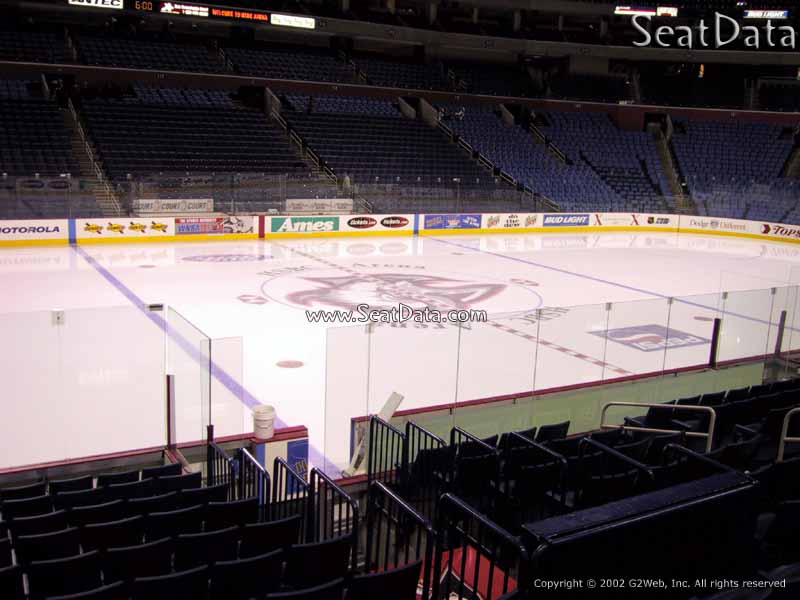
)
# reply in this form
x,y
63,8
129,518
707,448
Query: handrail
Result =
x,y
330,515
470,437
254,479
387,450
90,155
380,501
529,443
639,466
709,436
785,433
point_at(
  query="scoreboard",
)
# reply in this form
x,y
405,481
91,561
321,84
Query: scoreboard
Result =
x,y
203,11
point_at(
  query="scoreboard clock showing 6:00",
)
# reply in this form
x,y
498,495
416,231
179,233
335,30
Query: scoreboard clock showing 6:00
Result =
x,y
145,5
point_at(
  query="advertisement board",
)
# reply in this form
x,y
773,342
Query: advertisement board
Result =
x,y
214,225
319,206
452,221
41,232
128,229
144,206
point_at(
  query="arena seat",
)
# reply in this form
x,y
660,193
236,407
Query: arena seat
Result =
x,y
195,549
76,573
260,538
71,485
326,591
105,479
394,584
330,557
143,560
188,584
246,577
114,510
114,591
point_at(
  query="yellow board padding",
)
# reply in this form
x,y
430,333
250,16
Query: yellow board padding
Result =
x,y
63,242
197,237
586,229
752,236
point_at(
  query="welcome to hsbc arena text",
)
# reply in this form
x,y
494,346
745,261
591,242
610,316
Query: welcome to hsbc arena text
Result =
x,y
402,313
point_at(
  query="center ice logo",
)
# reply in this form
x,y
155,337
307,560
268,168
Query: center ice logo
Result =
x,y
651,338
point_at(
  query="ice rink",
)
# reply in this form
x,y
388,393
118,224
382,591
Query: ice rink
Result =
x,y
562,310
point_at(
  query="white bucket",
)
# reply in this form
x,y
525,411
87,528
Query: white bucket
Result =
x,y
264,422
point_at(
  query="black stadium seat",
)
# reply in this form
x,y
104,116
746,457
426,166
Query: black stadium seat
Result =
x,y
38,524
151,504
220,515
173,523
30,490
11,584
117,478
555,431
143,560
327,591
114,534
88,497
97,513
260,538
195,549
71,575
114,591
331,559
134,489
48,546
247,577
203,495
5,553
27,507
185,584
176,483
71,485
395,584
162,471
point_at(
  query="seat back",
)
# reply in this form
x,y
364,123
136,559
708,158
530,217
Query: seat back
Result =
x,y
11,584
184,584
117,478
151,504
114,591
330,558
553,431
247,577
196,549
174,483
327,591
27,507
261,538
97,513
38,524
47,546
143,560
88,497
221,515
173,523
134,489
114,534
71,485
70,575
396,584
30,490
162,471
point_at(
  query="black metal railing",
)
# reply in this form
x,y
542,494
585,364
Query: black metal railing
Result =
x,y
474,556
220,468
387,452
332,513
397,535
253,481
290,495
428,464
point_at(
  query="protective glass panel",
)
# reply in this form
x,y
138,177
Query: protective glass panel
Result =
x,y
745,325
637,338
229,415
690,329
496,361
188,360
33,406
112,371
346,392
417,361
572,349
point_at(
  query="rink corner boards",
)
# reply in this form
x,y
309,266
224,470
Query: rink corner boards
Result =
x,y
216,228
